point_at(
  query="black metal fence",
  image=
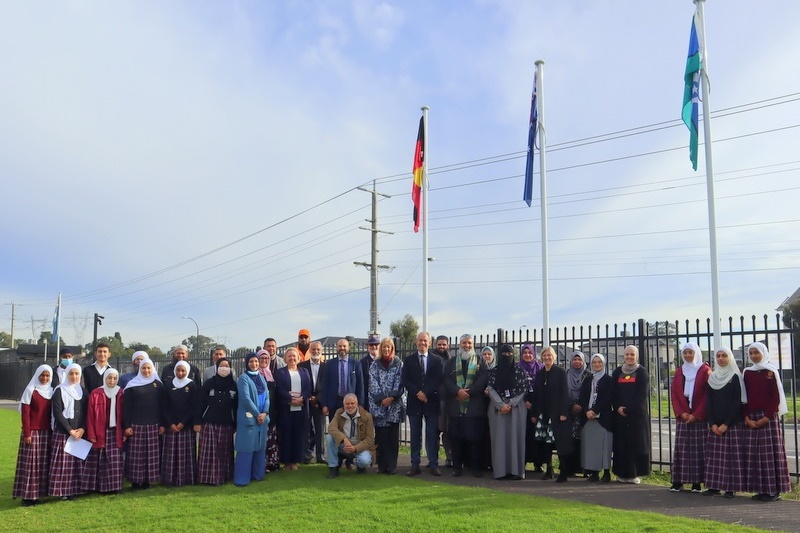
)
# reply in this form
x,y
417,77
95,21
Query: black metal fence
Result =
x,y
659,347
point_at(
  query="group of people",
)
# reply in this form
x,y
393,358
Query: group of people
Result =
x,y
491,412
728,425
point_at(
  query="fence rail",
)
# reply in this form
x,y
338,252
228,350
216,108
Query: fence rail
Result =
x,y
659,347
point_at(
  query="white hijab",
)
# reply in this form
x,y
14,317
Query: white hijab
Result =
x,y
722,375
181,383
70,392
690,370
765,364
45,391
139,380
111,394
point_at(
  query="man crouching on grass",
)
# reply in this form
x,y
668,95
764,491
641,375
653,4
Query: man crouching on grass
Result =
x,y
351,435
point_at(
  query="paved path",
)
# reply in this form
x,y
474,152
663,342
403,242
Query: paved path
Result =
x,y
783,515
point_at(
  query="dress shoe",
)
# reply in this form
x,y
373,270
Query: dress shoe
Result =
x,y
435,471
415,471
362,470
548,474
457,472
606,477
448,464
333,472
562,477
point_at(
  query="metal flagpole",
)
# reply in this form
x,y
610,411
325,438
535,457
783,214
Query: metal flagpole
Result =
x,y
425,110
712,217
543,184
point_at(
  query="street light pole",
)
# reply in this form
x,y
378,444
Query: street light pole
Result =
x,y
197,336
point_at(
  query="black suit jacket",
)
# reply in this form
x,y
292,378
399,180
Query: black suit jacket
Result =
x,y
414,381
330,383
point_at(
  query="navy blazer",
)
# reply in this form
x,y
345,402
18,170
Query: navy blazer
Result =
x,y
283,389
330,383
414,381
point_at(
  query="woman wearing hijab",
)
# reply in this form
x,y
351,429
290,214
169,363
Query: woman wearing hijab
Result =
x,y
33,458
576,375
386,405
507,387
724,454
596,436
136,359
69,414
550,412
688,395
534,452
252,420
142,424
103,469
293,388
631,388
180,412
767,470
219,399
273,450
487,353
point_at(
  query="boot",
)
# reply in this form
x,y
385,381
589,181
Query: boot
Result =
x,y
606,476
333,472
548,473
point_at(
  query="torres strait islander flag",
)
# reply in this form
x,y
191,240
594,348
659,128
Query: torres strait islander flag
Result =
x,y
417,170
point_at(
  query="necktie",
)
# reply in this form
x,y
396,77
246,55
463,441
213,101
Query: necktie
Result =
x,y
342,377
422,362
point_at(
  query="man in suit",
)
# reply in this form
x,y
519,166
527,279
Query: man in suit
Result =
x,y
342,376
373,342
316,419
422,376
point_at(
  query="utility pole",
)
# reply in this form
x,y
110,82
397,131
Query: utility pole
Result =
x,y
98,321
373,266
12,324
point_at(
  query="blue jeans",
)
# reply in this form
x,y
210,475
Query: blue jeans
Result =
x,y
362,459
431,439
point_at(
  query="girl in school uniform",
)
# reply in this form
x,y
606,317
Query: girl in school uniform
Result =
x,y
33,459
218,408
180,409
103,469
69,414
765,449
141,422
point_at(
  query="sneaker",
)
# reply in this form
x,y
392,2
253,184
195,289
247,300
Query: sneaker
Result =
x,y
623,480
636,481
711,492
770,497
728,494
676,487
696,487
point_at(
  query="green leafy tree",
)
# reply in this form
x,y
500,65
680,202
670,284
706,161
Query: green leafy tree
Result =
x,y
152,351
115,343
405,329
5,339
199,345
47,336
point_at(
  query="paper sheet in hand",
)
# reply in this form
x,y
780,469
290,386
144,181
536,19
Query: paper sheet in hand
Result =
x,y
78,447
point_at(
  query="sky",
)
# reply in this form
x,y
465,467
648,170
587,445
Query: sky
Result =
x,y
162,160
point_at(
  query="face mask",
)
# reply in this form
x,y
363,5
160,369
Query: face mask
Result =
x,y
66,362
224,371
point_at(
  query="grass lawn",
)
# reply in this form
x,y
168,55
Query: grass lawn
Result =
x,y
306,501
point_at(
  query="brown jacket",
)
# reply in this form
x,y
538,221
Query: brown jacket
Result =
x,y
365,428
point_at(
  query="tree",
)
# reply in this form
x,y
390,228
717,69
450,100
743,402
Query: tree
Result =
x,y
5,340
152,351
115,343
199,345
405,329
46,336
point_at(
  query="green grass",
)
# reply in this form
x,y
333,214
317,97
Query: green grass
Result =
x,y
306,501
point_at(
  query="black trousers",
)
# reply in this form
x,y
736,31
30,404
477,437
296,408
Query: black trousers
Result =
x,y
388,440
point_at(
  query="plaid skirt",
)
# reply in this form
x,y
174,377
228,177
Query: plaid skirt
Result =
x,y
65,469
216,454
179,458
725,460
273,452
102,471
766,467
33,466
142,457
688,458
